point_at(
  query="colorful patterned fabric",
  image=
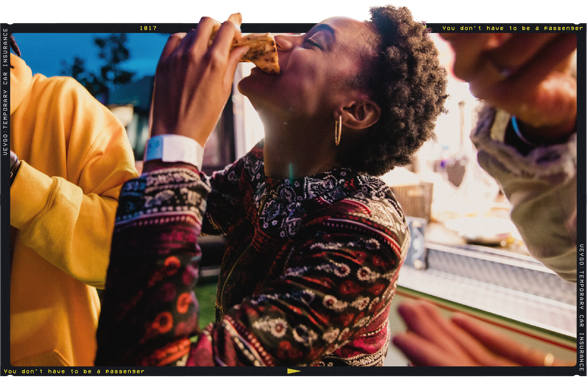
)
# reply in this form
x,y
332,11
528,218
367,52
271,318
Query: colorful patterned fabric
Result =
x,y
307,277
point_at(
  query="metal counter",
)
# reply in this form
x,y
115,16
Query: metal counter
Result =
x,y
495,281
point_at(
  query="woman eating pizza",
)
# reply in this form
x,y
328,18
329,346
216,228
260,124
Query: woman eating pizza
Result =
x,y
315,240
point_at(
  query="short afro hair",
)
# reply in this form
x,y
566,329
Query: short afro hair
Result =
x,y
406,80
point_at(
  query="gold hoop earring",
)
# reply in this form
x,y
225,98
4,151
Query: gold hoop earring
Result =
x,y
337,130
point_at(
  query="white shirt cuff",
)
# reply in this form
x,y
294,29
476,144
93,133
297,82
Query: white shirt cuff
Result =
x,y
174,148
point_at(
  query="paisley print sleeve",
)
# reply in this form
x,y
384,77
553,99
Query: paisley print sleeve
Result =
x,y
148,306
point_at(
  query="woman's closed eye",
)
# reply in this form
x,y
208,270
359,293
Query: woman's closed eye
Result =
x,y
312,41
321,36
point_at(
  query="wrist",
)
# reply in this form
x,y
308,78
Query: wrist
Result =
x,y
14,166
525,137
192,132
545,134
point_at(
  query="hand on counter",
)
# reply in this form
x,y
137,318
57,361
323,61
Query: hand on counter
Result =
x,y
433,340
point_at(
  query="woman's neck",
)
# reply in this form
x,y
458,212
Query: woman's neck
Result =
x,y
297,150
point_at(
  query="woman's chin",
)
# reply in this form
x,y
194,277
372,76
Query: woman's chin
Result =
x,y
249,87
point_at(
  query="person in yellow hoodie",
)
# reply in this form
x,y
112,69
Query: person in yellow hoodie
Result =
x,y
73,157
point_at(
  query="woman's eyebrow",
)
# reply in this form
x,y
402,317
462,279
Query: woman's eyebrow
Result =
x,y
321,27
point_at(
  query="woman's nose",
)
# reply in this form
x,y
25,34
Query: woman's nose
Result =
x,y
284,42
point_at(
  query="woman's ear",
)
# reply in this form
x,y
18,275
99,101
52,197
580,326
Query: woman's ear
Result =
x,y
360,114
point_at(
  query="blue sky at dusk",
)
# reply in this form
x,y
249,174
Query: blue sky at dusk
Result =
x,y
43,52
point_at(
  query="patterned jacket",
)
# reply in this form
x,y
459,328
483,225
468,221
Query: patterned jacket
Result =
x,y
307,277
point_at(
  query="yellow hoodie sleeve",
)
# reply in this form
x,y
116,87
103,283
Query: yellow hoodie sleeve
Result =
x,y
71,230
75,157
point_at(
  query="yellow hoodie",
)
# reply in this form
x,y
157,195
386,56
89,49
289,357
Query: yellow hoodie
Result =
x,y
75,157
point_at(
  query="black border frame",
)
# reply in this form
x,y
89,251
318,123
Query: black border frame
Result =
x,y
7,29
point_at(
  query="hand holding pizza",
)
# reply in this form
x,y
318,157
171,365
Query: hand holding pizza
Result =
x,y
194,79
433,340
528,75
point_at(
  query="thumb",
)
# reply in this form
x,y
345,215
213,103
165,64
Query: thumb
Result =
x,y
233,60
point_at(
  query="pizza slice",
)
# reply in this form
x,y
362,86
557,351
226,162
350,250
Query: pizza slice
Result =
x,y
262,51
